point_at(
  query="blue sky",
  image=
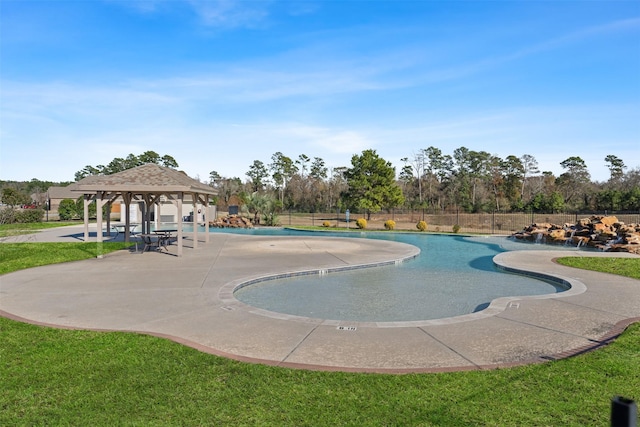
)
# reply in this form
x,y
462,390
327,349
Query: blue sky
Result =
x,y
219,84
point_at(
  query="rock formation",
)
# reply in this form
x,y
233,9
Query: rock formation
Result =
x,y
231,221
602,232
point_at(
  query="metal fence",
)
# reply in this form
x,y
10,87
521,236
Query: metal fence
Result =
x,y
488,223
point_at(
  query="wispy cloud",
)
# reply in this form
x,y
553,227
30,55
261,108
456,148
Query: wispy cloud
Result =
x,y
323,139
230,13
221,14
578,36
441,73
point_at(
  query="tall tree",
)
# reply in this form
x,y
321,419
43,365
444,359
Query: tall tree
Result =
x,y
418,167
168,161
406,178
372,184
149,157
317,176
119,164
257,174
214,178
436,168
529,168
88,171
282,169
337,185
461,183
574,182
303,163
514,176
616,168
318,169
13,197
479,164
229,187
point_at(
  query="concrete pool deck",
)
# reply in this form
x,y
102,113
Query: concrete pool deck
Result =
x,y
189,299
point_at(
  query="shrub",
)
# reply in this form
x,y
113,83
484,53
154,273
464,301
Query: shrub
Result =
x,y
10,215
326,224
456,228
67,209
361,223
29,215
421,225
389,224
271,220
7,215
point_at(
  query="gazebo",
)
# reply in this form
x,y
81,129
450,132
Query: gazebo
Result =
x,y
148,184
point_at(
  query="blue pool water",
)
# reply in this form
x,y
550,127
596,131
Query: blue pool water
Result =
x,y
452,276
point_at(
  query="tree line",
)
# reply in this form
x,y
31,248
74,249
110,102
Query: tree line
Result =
x,y
465,180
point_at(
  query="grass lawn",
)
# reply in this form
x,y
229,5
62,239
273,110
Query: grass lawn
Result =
x,y
64,377
27,228
629,267
17,256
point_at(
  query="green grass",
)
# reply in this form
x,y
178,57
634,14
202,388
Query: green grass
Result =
x,y
18,256
27,228
629,267
64,377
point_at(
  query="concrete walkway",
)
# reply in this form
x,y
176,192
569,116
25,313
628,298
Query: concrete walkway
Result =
x,y
190,299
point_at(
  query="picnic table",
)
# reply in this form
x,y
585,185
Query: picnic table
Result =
x,y
157,239
120,228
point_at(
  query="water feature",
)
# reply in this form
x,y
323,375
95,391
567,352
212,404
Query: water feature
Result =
x,y
454,275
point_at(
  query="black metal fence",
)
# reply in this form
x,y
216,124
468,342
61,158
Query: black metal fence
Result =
x,y
489,223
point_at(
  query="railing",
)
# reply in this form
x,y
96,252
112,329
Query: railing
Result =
x,y
487,223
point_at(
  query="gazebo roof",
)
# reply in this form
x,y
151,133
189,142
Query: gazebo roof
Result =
x,y
149,178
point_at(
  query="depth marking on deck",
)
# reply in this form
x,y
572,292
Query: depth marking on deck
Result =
x,y
346,328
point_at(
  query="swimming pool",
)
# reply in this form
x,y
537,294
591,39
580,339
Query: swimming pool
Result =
x,y
452,276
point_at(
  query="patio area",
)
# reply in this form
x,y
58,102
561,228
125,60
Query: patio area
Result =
x,y
189,299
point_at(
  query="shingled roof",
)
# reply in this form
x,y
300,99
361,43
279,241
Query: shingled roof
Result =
x,y
148,178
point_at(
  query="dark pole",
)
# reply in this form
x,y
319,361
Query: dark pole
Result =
x,y
624,412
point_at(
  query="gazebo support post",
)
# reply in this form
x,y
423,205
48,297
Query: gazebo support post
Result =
x,y
146,216
108,218
156,208
126,197
99,201
206,218
85,213
180,197
194,201
142,218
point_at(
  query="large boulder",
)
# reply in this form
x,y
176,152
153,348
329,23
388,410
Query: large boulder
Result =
x,y
231,221
609,221
558,235
602,232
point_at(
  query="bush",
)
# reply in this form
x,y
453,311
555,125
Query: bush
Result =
x,y
389,224
67,209
7,215
29,215
361,223
10,215
456,228
326,224
421,225
271,220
